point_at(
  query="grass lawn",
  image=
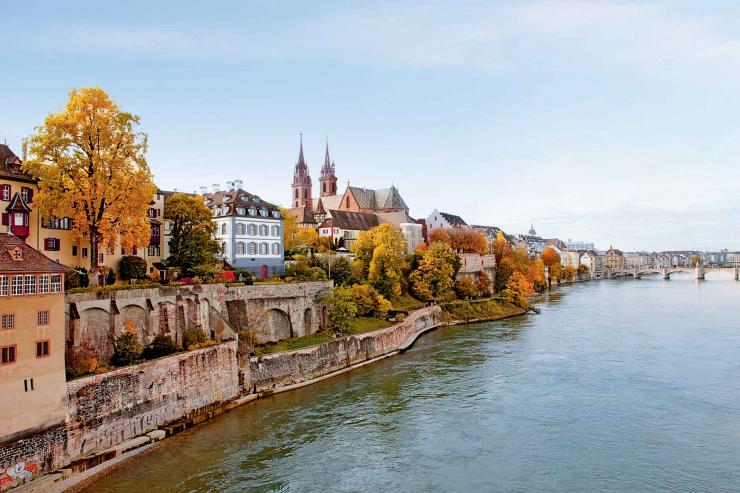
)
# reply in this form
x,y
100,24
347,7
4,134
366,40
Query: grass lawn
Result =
x,y
407,303
362,325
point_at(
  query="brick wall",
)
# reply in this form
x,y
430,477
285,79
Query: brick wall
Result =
x,y
106,409
39,452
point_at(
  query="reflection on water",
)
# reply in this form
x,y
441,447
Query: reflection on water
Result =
x,y
617,386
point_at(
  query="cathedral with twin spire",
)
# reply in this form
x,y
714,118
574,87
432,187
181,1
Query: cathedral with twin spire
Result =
x,y
302,187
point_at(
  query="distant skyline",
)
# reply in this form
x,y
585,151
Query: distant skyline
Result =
x,y
609,122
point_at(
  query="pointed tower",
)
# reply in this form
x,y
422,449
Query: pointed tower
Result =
x,y
301,182
328,179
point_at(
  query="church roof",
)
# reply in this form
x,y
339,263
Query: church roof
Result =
x,y
327,203
304,215
395,219
384,198
355,221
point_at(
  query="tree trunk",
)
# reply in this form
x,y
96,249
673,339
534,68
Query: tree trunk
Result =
x,y
93,274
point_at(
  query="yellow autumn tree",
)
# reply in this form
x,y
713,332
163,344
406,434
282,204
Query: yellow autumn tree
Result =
x,y
90,162
290,225
381,255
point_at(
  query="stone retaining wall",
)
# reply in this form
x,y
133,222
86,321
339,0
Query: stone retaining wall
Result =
x,y
24,458
106,409
273,371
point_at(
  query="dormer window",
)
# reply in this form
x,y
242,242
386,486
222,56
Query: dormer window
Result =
x,y
252,211
240,211
276,214
263,212
256,199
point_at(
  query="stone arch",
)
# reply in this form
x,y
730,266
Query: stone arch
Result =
x,y
96,331
191,313
307,321
274,325
324,317
135,317
205,316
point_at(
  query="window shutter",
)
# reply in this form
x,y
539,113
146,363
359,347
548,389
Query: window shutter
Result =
x,y
5,218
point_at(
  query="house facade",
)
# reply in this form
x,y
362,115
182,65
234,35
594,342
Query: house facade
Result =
x,y
53,235
613,259
249,229
32,341
445,220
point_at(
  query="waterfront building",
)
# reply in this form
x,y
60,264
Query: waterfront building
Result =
x,y
53,235
594,262
579,245
613,259
472,263
532,242
32,375
344,226
491,234
249,229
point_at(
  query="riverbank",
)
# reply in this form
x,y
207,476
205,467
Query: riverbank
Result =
x,y
271,374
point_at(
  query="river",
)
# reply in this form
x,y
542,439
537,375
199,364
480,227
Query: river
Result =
x,y
615,386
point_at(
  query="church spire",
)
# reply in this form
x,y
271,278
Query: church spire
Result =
x,y
328,178
301,189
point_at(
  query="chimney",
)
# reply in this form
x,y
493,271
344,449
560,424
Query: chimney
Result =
x,y
237,184
203,190
215,186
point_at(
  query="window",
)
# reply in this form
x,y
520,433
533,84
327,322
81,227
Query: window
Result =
x,y
8,355
155,230
263,249
347,203
263,230
7,321
101,257
44,284
223,248
240,248
153,250
263,212
276,231
56,283
42,317
56,223
51,244
252,211
276,248
27,195
84,252
74,250
252,230
5,192
17,287
28,384
296,193
3,285
223,228
240,229
252,248
276,214
42,349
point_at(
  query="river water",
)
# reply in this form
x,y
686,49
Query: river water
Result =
x,y
615,386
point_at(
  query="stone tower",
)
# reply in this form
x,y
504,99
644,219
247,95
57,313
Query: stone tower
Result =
x,y
328,179
302,182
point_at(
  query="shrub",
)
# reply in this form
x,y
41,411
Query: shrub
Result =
x,y
483,283
161,345
301,271
342,310
207,273
132,267
193,336
465,289
76,278
367,300
110,277
80,361
127,350
243,276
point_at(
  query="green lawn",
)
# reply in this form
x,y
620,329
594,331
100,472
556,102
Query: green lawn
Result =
x,y
362,325
407,303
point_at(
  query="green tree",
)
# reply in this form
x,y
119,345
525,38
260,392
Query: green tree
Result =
x,y
434,275
161,345
342,309
131,267
127,350
193,241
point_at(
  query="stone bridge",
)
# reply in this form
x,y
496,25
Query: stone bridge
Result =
x,y
269,312
665,272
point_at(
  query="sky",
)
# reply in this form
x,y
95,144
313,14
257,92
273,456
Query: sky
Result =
x,y
611,122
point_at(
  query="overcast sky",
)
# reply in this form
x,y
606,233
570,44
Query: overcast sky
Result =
x,y
611,122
